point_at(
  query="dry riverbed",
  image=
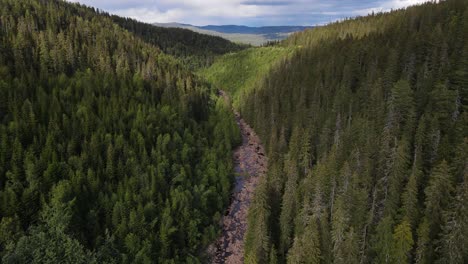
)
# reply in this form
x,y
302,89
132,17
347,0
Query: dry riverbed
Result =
x,y
250,164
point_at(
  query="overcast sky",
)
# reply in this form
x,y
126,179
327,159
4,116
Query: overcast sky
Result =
x,y
245,12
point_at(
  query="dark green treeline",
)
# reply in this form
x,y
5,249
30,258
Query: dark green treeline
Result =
x,y
110,150
366,127
193,49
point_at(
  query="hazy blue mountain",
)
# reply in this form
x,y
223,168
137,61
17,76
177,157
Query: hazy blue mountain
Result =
x,y
254,30
242,34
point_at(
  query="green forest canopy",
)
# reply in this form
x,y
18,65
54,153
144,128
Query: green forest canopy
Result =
x,y
113,151
366,127
110,150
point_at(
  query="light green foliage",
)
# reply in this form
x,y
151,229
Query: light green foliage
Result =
x,y
403,240
239,73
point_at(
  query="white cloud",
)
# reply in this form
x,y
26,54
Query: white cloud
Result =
x,y
250,12
403,3
151,15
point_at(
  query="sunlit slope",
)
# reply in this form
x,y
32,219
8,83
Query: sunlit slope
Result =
x,y
238,73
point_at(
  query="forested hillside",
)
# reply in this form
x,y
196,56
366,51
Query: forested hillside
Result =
x,y
239,73
366,129
110,150
194,49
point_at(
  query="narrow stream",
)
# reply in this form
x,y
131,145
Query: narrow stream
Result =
x,y
250,164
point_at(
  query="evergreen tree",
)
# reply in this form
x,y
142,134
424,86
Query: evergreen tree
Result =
x,y
308,240
403,240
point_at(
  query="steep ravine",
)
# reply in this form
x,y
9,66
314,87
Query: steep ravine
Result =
x,y
250,164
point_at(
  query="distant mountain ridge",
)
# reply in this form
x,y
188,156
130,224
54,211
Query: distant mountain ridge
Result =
x,y
241,34
232,29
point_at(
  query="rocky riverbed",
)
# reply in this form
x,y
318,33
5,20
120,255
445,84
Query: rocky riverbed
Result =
x,y
250,164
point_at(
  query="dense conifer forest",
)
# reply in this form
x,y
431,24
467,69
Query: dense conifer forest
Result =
x,y
110,150
193,49
366,126
113,151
